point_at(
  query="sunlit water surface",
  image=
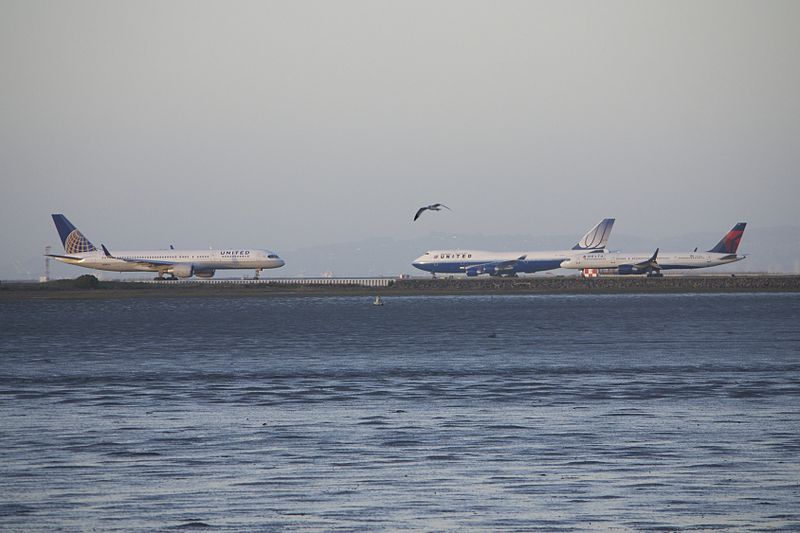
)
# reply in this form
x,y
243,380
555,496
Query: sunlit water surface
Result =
x,y
444,413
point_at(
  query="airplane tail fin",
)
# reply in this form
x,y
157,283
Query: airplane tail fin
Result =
x,y
73,240
730,242
597,237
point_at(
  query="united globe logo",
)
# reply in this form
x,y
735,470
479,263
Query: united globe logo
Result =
x,y
76,243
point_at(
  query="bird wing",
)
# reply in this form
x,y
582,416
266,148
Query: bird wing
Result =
x,y
442,205
419,212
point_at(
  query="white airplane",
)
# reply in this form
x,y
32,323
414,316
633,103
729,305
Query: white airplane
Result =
x,y
176,263
652,264
476,262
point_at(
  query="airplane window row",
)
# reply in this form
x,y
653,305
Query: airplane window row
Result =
x,y
178,257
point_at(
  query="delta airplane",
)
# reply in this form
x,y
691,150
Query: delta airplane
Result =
x,y
475,262
176,263
652,264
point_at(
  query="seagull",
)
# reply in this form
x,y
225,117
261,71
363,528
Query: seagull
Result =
x,y
432,207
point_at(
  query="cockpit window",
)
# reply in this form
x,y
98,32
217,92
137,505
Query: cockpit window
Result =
x,y
272,256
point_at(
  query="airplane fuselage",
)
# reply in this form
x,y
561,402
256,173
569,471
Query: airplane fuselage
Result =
x,y
201,262
478,262
460,261
666,260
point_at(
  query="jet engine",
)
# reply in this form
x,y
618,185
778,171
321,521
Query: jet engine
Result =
x,y
204,273
629,269
182,271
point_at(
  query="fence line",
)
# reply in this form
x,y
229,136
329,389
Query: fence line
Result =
x,y
362,282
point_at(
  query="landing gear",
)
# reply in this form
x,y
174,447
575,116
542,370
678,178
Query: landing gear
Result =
x,y
655,274
258,274
161,277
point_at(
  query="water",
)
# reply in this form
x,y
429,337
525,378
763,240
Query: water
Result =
x,y
640,412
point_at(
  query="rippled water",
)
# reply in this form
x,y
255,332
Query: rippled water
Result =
x,y
446,413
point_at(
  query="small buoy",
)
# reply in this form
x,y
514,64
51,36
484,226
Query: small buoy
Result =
x,y
377,301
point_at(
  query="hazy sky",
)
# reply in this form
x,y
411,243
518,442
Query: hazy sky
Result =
x,y
292,124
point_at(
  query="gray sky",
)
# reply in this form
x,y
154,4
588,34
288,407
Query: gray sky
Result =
x,y
294,124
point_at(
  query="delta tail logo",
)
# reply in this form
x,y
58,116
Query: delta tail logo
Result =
x,y
730,242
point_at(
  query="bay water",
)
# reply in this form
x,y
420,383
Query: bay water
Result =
x,y
483,413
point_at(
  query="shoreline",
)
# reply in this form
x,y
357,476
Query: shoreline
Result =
x,y
66,289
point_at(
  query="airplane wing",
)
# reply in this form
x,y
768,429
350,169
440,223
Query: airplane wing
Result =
x,y
650,264
498,267
151,263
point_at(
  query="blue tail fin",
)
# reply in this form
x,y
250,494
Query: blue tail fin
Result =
x,y
73,240
597,237
730,242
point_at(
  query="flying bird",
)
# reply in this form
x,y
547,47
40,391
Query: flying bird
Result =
x,y
432,207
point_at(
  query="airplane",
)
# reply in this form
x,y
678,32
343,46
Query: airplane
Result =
x,y
652,264
175,263
476,262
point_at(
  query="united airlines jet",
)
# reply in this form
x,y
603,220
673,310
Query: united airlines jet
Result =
x,y
653,263
475,262
175,263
